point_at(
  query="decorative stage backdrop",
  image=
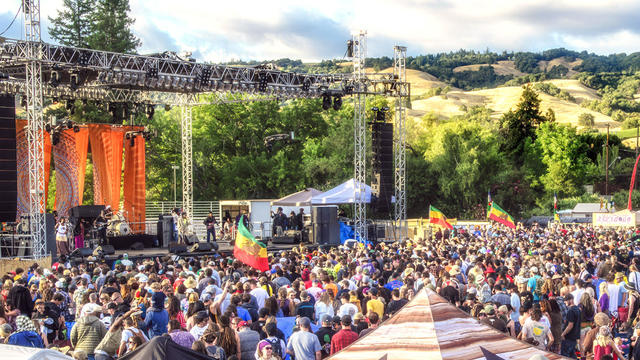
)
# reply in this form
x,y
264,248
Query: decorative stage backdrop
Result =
x,y
70,158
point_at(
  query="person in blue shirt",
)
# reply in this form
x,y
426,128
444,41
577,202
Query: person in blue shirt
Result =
x,y
157,318
25,334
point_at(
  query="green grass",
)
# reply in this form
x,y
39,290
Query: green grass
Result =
x,y
626,133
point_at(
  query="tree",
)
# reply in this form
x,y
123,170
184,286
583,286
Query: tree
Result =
x,y
72,25
586,120
519,125
111,27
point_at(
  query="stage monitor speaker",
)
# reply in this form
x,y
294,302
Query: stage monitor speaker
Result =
x,y
284,239
104,249
8,164
192,239
165,230
137,246
326,230
203,247
50,222
176,248
81,252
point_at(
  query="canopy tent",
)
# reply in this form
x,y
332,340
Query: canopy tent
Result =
x,y
341,194
14,352
429,327
162,348
301,198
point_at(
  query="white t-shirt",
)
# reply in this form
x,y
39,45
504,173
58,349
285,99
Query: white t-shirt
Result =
x,y
614,297
347,309
128,333
261,295
323,309
198,331
536,330
577,295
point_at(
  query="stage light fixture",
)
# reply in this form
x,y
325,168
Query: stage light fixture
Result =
x,y
47,128
69,124
326,102
76,128
132,141
167,107
349,48
55,138
337,102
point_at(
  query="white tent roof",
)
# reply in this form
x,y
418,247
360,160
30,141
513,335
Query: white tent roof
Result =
x,y
341,194
301,198
14,352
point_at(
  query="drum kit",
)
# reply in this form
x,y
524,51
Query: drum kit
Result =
x,y
118,226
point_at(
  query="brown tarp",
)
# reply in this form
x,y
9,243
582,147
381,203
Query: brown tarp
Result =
x,y
431,328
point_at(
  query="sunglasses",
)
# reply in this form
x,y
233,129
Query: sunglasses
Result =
x,y
267,348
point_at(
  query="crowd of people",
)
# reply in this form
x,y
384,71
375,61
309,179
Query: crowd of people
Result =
x,y
567,289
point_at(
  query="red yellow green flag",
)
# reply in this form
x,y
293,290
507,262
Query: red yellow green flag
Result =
x,y
437,217
249,250
497,214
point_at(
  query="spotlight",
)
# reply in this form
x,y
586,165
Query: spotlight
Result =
x,y
71,107
47,128
337,102
132,141
349,48
55,79
326,102
74,83
167,107
150,111
69,124
262,82
76,128
55,138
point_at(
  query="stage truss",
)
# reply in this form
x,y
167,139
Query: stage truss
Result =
x,y
37,70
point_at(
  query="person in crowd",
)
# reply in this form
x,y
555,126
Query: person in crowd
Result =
x,y
537,333
89,330
249,339
278,346
603,345
25,334
179,335
157,318
107,349
373,319
324,334
571,333
303,344
345,337
210,223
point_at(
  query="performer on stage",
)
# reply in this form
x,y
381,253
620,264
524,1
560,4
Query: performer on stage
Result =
x,y
78,233
100,223
210,222
184,228
62,242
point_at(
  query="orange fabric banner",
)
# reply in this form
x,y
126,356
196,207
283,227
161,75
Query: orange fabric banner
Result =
x,y
65,158
134,183
82,148
106,150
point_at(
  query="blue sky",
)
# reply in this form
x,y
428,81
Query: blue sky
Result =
x,y
220,31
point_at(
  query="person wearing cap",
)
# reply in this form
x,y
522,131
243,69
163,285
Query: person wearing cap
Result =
x,y
492,320
249,340
303,344
324,334
88,330
571,332
344,337
305,307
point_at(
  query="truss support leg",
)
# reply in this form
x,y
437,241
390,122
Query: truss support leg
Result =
x,y
360,135
187,159
399,145
35,127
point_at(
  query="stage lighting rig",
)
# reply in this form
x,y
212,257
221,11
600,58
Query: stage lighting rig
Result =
x,y
55,79
326,101
150,110
381,113
146,134
337,102
55,128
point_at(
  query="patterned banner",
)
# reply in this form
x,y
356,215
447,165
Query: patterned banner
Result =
x,y
65,160
134,183
22,160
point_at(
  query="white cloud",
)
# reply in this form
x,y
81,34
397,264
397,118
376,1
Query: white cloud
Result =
x,y
313,30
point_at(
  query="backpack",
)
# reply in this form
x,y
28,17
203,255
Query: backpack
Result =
x,y
275,345
538,290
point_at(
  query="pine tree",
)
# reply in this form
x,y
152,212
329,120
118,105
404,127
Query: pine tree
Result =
x,y
111,27
72,25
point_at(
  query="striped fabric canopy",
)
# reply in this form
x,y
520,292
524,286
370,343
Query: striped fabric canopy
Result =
x,y
430,328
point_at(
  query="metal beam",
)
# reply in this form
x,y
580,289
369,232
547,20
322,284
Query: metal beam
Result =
x,y
360,134
400,144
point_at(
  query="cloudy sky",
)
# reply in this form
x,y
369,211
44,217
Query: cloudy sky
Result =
x,y
314,30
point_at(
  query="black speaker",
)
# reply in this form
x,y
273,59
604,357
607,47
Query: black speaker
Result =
x,y
165,230
325,225
86,211
8,164
50,222
205,247
382,184
176,248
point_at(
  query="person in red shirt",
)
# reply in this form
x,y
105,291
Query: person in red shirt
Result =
x,y
344,337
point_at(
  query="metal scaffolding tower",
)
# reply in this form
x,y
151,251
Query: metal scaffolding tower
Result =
x,y
187,156
360,133
35,125
400,142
